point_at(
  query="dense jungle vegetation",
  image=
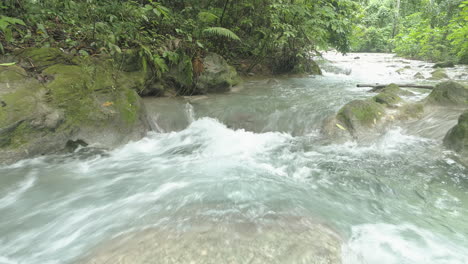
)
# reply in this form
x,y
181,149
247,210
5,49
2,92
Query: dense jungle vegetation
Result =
x,y
279,33
434,30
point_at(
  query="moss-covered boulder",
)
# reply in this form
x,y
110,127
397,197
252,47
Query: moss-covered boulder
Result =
x,y
457,137
448,93
410,111
390,95
418,75
438,74
87,100
360,114
41,58
444,64
217,76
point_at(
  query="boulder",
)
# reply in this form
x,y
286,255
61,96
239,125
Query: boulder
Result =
x,y
444,64
361,119
277,239
359,115
419,75
438,74
217,76
87,100
448,93
457,137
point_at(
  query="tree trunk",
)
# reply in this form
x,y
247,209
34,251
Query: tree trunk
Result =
x,y
377,86
396,19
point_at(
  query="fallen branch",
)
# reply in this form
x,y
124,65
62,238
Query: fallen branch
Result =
x,y
380,86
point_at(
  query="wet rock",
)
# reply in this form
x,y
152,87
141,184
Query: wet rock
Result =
x,y
359,115
411,111
361,119
438,74
218,75
278,239
419,75
448,93
357,58
457,137
88,99
445,64
389,99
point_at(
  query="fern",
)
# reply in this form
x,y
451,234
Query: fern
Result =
x,y
222,32
207,17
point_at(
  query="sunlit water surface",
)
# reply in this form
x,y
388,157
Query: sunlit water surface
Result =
x,y
245,157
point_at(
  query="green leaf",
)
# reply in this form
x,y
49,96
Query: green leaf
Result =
x,y
222,32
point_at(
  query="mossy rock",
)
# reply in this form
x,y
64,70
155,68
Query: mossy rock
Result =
x,y
11,74
444,64
388,99
41,58
409,111
457,137
419,75
92,102
218,76
448,93
395,89
438,74
360,114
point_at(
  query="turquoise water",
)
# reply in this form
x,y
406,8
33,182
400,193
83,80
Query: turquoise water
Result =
x,y
245,158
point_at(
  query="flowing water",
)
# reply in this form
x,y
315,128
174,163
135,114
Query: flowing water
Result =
x,y
228,164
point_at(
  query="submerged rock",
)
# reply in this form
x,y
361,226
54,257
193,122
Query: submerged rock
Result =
x,y
438,74
457,137
278,239
448,93
86,100
445,64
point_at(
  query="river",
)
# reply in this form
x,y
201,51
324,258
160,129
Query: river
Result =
x,y
230,163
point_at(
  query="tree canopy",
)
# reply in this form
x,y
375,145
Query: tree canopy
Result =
x,y
281,33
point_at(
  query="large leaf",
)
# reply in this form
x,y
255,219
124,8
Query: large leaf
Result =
x,y
222,32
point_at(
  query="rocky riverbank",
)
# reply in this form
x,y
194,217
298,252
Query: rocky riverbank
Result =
x,y
52,102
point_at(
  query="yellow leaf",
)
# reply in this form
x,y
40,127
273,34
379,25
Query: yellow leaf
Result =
x,y
340,127
392,117
106,104
375,121
8,64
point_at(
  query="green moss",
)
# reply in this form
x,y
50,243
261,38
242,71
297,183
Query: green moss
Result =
x,y
44,57
19,104
360,112
445,64
395,89
20,135
129,107
449,93
457,137
12,73
411,111
387,98
438,74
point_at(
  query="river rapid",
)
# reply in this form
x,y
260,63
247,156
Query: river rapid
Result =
x,y
230,163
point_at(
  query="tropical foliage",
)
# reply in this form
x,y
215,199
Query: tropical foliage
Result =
x,y
435,30
283,33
